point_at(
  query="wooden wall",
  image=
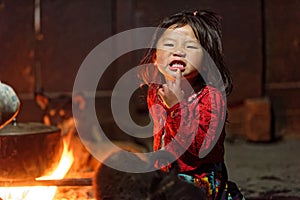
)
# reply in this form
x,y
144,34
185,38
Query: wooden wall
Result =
x,y
282,76
260,38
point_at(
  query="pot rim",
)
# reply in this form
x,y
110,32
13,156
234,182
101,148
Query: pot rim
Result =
x,y
30,128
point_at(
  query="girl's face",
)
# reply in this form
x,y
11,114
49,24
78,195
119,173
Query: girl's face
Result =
x,y
178,48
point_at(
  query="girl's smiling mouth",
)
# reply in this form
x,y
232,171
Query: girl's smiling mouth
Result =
x,y
177,64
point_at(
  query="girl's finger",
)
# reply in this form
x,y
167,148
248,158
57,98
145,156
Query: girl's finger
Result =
x,y
178,78
169,84
161,92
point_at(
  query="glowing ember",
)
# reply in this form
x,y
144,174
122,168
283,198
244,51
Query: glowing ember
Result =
x,y
40,192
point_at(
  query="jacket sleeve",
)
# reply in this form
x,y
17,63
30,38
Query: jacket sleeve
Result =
x,y
196,127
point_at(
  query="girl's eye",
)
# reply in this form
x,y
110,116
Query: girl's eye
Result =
x,y
192,47
168,45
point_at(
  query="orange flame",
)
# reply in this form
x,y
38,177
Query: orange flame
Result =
x,y
40,192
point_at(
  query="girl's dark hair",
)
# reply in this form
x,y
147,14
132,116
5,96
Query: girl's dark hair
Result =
x,y
206,26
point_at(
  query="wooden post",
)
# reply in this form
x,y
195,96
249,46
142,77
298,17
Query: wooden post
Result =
x,y
60,182
258,120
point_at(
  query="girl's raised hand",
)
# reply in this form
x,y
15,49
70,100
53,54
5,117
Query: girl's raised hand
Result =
x,y
171,92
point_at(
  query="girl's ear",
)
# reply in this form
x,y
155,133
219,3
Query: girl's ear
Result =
x,y
153,57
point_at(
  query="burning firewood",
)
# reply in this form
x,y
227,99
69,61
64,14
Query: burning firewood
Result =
x,y
58,112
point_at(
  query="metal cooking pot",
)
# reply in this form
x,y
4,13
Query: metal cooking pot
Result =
x,y
29,150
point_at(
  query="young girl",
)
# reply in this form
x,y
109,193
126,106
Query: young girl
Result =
x,y
187,87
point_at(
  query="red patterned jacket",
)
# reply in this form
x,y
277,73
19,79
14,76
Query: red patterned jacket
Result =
x,y
192,130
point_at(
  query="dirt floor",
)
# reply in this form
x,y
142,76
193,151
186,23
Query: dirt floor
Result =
x,y
265,170
262,170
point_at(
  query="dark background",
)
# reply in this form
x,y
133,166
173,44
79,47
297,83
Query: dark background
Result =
x,y
261,41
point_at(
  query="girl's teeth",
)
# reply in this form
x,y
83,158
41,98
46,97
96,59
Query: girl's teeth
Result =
x,y
177,65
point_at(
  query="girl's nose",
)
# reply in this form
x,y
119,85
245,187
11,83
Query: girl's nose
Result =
x,y
179,52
